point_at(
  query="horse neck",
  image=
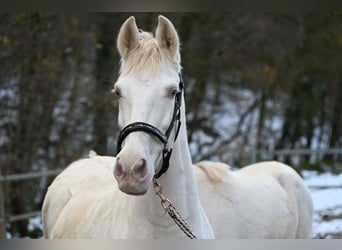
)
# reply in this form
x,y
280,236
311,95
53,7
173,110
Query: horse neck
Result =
x,y
179,181
179,186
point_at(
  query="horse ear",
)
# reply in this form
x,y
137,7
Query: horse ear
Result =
x,y
167,36
128,38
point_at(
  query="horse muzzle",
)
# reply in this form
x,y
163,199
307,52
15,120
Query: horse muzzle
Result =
x,y
132,174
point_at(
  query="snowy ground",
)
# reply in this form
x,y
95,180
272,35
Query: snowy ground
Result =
x,y
326,191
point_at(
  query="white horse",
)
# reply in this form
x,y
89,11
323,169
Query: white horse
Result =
x,y
84,200
268,200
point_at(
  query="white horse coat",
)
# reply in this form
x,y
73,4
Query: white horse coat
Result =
x,y
263,200
267,200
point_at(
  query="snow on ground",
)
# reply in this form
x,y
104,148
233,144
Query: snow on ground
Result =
x,y
326,192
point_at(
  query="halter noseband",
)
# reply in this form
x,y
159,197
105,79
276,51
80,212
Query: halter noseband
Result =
x,y
150,129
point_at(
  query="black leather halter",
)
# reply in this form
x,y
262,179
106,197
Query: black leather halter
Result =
x,y
150,129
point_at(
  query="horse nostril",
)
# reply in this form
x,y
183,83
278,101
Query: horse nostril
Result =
x,y
140,169
118,168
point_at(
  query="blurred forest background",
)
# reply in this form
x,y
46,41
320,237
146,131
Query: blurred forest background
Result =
x,y
253,81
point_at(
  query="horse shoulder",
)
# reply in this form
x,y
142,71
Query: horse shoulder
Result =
x,y
55,200
91,176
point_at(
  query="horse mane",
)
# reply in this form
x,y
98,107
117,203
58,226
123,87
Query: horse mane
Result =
x,y
215,171
147,57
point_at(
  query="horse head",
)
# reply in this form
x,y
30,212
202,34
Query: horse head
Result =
x,y
149,93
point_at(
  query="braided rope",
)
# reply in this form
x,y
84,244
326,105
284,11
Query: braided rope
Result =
x,y
172,211
181,223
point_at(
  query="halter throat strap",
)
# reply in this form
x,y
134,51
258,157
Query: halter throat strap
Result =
x,y
152,130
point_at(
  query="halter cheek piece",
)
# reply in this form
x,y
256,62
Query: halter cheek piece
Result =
x,y
149,129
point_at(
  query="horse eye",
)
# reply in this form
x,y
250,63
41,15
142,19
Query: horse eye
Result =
x,y
116,91
172,92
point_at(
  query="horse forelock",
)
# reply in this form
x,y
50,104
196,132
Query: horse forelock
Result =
x,y
148,58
